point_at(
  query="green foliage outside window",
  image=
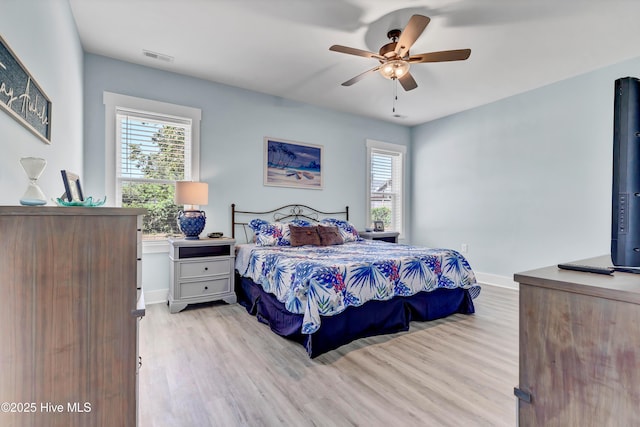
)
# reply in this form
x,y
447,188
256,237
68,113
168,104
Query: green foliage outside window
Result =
x,y
382,214
157,199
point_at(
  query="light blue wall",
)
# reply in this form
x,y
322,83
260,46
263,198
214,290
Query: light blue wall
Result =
x,y
526,181
234,123
43,36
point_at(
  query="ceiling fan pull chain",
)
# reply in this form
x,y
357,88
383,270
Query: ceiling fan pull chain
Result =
x,y
395,94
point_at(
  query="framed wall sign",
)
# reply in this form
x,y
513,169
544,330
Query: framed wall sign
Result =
x,y
292,164
21,97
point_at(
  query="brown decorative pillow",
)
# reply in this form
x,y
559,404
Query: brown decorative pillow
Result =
x,y
301,236
330,235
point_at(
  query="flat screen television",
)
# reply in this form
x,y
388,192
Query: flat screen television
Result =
x,y
625,213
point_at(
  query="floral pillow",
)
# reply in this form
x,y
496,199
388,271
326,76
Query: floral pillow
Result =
x,y
256,224
274,233
347,230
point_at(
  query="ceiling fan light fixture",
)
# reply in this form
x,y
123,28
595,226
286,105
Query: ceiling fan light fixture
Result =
x,y
394,69
394,57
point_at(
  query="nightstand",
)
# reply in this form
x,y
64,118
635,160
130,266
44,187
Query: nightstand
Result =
x,y
201,271
386,236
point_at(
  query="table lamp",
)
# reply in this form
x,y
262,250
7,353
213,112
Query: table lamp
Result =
x,y
191,221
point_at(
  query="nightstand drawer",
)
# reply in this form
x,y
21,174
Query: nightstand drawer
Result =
x,y
203,268
209,287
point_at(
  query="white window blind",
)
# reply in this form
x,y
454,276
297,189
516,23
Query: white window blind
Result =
x,y
386,181
153,147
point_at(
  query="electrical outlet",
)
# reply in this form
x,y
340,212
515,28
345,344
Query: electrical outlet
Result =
x,y
465,248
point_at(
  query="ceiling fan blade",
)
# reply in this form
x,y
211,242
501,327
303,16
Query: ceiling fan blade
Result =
x,y
410,34
354,51
360,76
442,56
407,82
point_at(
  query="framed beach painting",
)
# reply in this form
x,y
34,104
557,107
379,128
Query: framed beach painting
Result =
x,y
292,164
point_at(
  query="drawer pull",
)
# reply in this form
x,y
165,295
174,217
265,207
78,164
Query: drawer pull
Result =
x,y
206,269
206,288
522,395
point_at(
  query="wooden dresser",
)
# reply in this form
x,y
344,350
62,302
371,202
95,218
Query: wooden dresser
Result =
x,y
69,317
579,347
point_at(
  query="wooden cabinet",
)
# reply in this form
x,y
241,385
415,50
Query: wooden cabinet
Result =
x,y
579,347
201,271
68,323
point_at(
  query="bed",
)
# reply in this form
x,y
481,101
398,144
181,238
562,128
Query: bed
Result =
x,y
326,292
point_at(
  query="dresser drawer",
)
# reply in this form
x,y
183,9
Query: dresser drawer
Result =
x,y
202,288
203,268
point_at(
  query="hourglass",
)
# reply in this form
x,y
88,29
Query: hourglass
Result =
x,y
33,167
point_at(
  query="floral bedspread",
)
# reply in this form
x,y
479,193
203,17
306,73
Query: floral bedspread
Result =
x,y
325,280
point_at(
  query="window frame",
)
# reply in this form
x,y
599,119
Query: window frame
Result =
x,y
374,146
114,102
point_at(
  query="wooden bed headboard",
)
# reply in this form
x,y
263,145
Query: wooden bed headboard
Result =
x,y
283,213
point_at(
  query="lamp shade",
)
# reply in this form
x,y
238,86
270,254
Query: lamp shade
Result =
x,y
191,222
192,193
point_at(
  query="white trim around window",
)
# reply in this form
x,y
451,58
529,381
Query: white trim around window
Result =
x,y
115,101
400,151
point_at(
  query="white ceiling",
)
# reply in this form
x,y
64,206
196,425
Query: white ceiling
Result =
x,y
281,47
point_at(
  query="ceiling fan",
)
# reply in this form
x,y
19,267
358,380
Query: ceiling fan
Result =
x,y
395,59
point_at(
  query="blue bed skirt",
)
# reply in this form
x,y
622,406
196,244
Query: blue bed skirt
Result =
x,y
371,318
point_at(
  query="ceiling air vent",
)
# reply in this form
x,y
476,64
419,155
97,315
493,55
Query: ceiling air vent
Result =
x,y
158,56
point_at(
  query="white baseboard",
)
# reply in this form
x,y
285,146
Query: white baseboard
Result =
x,y
156,297
496,280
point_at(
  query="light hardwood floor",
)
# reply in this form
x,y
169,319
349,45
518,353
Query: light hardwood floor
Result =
x,y
215,365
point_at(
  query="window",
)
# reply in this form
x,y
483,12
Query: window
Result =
x,y
385,184
152,156
151,146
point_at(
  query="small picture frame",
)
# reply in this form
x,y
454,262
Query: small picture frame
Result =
x,y
72,187
378,226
